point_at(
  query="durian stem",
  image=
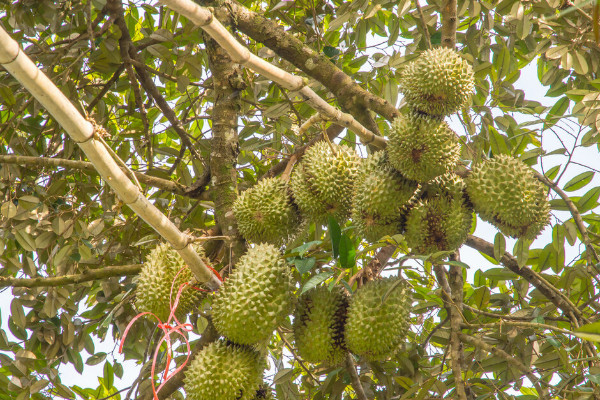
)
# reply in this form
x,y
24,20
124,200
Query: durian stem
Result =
x,y
591,251
481,345
92,275
358,389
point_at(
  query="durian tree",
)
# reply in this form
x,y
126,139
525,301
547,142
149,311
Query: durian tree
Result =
x,y
343,200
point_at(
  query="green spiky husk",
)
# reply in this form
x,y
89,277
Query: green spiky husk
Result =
x,y
505,192
255,298
380,198
437,224
156,278
323,182
375,329
224,372
265,213
319,325
439,82
422,148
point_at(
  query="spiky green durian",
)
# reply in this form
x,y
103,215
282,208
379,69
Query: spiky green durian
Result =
x,y
323,182
223,371
380,198
265,212
156,279
439,82
438,223
378,318
255,298
505,192
422,148
319,325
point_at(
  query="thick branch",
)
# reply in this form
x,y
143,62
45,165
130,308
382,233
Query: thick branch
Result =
x,y
358,389
224,147
554,295
91,275
351,96
449,24
451,306
591,252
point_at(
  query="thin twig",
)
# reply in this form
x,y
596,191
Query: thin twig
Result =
x,y
91,275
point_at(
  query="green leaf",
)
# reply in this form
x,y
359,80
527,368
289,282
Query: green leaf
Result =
x,y
303,265
316,280
303,249
498,142
589,200
552,172
499,246
521,251
558,110
457,263
109,375
480,297
436,38
579,181
96,358
589,332
347,252
331,52
335,232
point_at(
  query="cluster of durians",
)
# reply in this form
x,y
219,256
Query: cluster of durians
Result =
x,y
410,188
256,298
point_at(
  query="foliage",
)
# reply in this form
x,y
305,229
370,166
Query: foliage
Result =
x,y
60,219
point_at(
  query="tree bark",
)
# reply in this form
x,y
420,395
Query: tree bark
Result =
x,y
224,144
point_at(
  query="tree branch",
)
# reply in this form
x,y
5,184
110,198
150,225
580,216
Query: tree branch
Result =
x,y
164,184
240,54
449,23
480,344
91,275
358,389
423,25
224,145
554,295
591,252
315,65
451,306
117,12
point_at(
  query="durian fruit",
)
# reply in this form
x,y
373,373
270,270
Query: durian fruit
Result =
x,y
265,213
156,278
422,148
505,192
319,325
223,371
439,82
437,224
323,182
255,298
378,318
380,198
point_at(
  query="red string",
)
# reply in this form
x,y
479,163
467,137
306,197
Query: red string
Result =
x,y
168,329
